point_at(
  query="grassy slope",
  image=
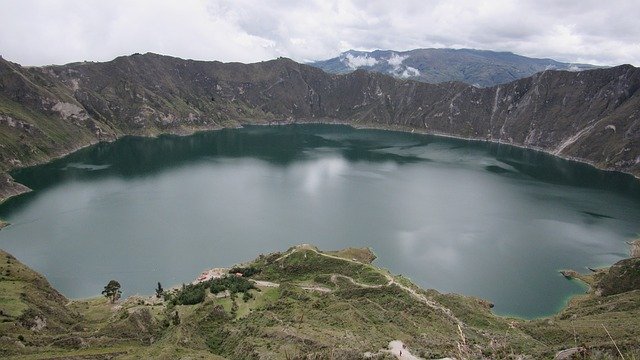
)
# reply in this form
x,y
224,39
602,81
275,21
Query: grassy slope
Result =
x,y
359,309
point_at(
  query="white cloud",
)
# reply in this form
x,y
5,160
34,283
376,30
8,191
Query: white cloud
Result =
x,y
42,32
355,62
396,60
36,32
409,71
400,70
321,173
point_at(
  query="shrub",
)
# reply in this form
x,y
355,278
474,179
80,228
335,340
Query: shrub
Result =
x,y
245,271
190,295
235,284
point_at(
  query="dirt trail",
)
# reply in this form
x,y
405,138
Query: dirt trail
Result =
x,y
396,348
266,283
400,351
420,297
316,288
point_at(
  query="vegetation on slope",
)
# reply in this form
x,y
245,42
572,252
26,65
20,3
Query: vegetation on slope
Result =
x,y
304,304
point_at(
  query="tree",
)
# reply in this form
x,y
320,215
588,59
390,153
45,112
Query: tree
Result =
x,y
159,291
175,318
112,291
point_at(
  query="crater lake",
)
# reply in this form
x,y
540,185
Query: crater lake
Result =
x,y
475,218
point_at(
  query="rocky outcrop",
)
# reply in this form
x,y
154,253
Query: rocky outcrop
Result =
x,y
9,188
621,277
572,353
634,249
592,116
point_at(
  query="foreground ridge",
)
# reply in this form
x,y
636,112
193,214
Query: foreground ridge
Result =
x,y
390,282
309,304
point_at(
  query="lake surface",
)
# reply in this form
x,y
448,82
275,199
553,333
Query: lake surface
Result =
x,y
479,219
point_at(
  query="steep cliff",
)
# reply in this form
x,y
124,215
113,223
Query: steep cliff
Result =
x,y
592,116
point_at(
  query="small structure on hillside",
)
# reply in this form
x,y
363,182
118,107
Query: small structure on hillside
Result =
x,y
214,273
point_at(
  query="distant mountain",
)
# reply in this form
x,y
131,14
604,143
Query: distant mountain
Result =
x,y
475,67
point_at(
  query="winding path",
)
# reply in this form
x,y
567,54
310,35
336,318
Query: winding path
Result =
x,y
420,297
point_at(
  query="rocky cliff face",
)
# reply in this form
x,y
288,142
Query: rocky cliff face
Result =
x,y
593,116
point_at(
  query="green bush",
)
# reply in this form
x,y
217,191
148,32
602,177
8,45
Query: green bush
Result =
x,y
235,284
190,295
245,271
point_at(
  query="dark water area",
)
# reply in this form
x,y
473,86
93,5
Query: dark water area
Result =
x,y
480,219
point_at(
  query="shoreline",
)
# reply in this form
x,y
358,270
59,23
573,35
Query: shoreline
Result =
x,y
564,304
404,129
583,280
358,126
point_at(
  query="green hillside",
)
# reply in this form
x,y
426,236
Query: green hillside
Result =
x,y
308,304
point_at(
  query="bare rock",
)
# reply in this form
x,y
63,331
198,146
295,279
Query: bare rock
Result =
x,y
634,249
70,342
572,353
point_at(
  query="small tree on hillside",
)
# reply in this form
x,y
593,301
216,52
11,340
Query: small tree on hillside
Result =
x,y
112,291
159,291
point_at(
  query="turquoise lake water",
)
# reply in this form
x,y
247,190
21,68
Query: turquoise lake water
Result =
x,y
479,219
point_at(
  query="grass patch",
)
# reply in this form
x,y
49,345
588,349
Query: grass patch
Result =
x,y
96,311
307,265
363,255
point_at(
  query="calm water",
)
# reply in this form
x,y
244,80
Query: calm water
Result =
x,y
492,221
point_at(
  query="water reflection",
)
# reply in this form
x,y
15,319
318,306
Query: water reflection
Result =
x,y
475,218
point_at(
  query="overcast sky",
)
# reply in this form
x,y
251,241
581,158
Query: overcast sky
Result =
x,y
54,32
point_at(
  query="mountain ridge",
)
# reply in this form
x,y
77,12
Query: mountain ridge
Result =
x,y
482,68
45,112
